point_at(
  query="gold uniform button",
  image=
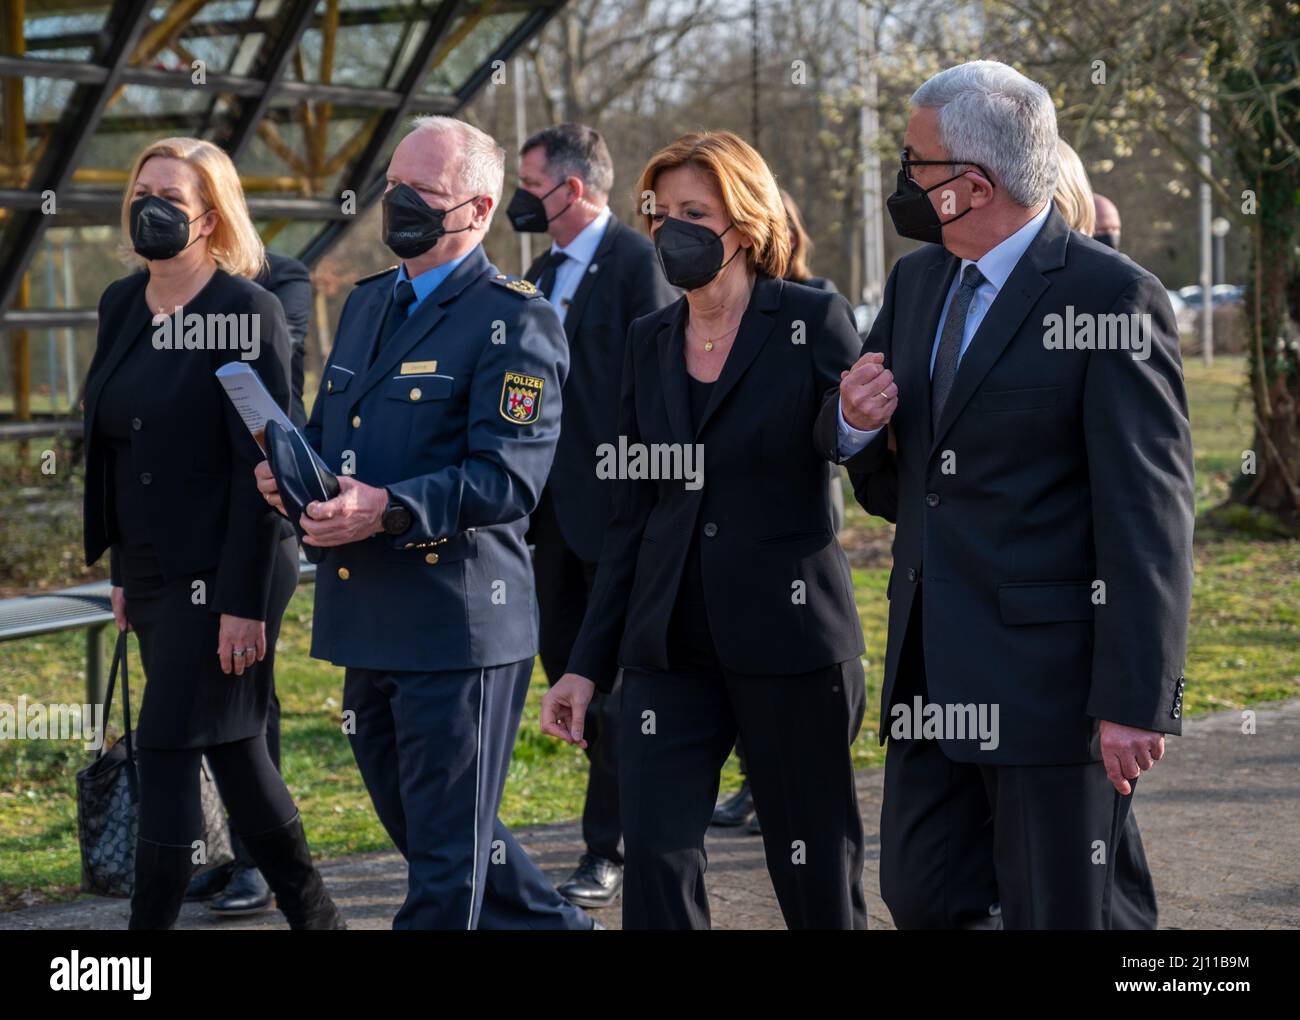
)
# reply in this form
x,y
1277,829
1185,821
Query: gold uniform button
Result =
x,y
415,393
329,386
343,573
431,558
409,545
356,421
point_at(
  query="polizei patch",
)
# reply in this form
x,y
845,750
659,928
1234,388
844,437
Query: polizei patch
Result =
x,y
521,398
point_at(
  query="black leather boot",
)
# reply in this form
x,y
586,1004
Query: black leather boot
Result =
x,y
283,857
162,873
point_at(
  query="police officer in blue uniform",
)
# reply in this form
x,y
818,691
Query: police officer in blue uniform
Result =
x,y
439,408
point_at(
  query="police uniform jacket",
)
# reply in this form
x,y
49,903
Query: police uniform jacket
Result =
x,y
458,418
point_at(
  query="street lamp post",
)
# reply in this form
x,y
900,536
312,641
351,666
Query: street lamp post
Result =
x,y
1219,228
1207,269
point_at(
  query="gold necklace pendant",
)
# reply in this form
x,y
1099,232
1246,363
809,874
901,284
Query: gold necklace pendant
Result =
x,y
708,345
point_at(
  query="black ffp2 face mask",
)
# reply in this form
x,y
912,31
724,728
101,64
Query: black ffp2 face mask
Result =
x,y
159,230
527,212
1108,238
914,214
411,226
690,253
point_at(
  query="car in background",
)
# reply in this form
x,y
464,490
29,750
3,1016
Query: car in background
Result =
x,y
863,316
1183,315
1227,294
1220,294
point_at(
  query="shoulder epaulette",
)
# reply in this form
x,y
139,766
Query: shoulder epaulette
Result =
x,y
517,284
375,276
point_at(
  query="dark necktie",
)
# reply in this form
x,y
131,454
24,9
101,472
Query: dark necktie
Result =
x,y
398,307
546,281
954,327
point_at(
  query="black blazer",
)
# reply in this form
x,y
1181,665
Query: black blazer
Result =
x,y
778,586
290,281
195,450
1067,467
623,282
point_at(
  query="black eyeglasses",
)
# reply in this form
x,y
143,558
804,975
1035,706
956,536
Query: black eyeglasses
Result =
x,y
907,163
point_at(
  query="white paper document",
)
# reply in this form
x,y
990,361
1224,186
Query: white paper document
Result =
x,y
252,400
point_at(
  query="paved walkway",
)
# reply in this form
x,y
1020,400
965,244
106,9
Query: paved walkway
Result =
x,y
1220,819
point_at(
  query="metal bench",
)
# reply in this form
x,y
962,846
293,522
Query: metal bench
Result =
x,y
85,607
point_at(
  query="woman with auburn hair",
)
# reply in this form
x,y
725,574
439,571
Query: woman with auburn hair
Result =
x,y
721,590
193,547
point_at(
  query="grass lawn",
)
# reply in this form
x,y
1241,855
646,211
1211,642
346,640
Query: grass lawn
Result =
x,y
1244,649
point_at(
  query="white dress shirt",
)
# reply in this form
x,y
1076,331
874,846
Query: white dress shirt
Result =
x,y
995,266
581,250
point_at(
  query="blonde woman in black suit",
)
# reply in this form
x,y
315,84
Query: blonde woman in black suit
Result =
x,y
170,494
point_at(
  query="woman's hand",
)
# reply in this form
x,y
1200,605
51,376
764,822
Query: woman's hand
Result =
x,y
240,643
266,485
117,597
564,708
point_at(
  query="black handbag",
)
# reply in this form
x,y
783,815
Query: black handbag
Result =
x,y
301,477
108,792
108,798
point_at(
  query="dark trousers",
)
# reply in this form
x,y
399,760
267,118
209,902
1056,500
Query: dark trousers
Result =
x,y
563,586
242,857
677,731
284,581
434,750
837,522
171,809
1054,845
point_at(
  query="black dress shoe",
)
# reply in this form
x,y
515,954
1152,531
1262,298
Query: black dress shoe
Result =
x,y
737,810
595,883
210,883
247,893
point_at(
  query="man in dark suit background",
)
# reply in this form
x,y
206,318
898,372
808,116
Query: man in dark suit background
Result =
x,y
600,275
290,281
1043,494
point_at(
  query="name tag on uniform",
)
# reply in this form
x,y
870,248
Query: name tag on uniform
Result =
x,y
418,367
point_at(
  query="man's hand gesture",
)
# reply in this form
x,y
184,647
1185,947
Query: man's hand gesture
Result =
x,y
868,393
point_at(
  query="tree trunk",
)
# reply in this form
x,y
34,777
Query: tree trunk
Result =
x,y
1274,362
